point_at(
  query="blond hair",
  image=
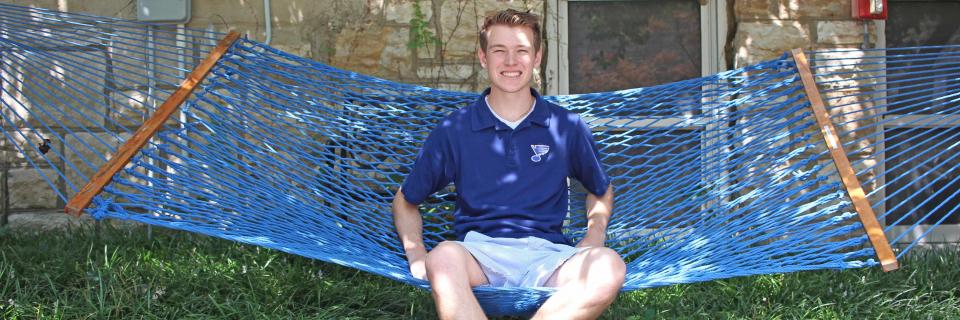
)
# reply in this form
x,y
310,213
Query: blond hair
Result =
x,y
511,18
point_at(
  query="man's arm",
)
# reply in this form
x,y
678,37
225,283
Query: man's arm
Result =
x,y
406,217
599,210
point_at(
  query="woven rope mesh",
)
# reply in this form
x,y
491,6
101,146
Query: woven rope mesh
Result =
x,y
715,177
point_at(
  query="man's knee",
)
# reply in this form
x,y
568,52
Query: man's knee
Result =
x,y
608,261
606,272
445,257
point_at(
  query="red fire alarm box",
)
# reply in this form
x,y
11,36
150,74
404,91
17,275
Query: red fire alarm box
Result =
x,y
869,9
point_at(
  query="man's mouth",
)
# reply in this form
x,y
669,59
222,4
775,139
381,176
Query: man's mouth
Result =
x,y
511,74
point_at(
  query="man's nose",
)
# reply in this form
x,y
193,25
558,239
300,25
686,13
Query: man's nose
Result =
x,y
511,58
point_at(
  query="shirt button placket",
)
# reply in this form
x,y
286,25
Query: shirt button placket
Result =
x,y
511,150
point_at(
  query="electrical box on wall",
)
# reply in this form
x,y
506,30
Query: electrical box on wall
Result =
x,y
869,9
174,11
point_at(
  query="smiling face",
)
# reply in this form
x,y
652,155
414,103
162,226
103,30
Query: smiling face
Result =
x,y
509,57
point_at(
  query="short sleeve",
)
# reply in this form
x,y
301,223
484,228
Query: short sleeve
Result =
x,y
585,165
432,170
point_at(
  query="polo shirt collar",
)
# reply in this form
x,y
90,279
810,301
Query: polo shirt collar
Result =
x,y
483,117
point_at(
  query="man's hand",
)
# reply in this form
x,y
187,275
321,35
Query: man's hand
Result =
x,y
418,267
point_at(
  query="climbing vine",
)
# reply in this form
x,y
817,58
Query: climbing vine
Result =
x,y
420,34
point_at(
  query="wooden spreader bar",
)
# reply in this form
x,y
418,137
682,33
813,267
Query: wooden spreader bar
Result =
x,y
868,218
104,175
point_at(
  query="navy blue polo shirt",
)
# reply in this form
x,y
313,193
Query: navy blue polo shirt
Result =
x,y
510,182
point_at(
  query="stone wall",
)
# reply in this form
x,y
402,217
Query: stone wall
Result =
x,y
377,37
766,28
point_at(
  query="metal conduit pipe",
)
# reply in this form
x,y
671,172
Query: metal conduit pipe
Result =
x,y
267,21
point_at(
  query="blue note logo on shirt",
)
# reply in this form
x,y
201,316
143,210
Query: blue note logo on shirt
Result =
x,y
539,150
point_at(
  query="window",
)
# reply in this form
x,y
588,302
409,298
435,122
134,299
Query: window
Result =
x,y
622,45
597,46
594,45
919,153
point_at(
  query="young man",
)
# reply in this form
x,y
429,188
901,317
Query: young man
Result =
x,y
509,156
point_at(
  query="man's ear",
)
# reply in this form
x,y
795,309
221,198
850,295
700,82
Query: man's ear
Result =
x,y
536,63
483,57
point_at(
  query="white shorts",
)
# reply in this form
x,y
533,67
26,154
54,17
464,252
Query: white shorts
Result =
x,y
522,262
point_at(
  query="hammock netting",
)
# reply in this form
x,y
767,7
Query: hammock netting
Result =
x,y
726,175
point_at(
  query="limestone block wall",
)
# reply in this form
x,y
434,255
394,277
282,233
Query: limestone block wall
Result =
x,y
763,29
431,42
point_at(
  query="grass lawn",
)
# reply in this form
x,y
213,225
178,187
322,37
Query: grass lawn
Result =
x,y
176,275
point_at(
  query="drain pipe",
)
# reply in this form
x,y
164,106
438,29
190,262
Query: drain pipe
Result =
x,y
4,193
267,21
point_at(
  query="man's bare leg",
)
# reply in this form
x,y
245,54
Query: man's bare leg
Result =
x,y
586,285
452,272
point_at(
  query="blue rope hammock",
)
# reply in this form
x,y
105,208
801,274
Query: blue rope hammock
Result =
x,y
721,176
